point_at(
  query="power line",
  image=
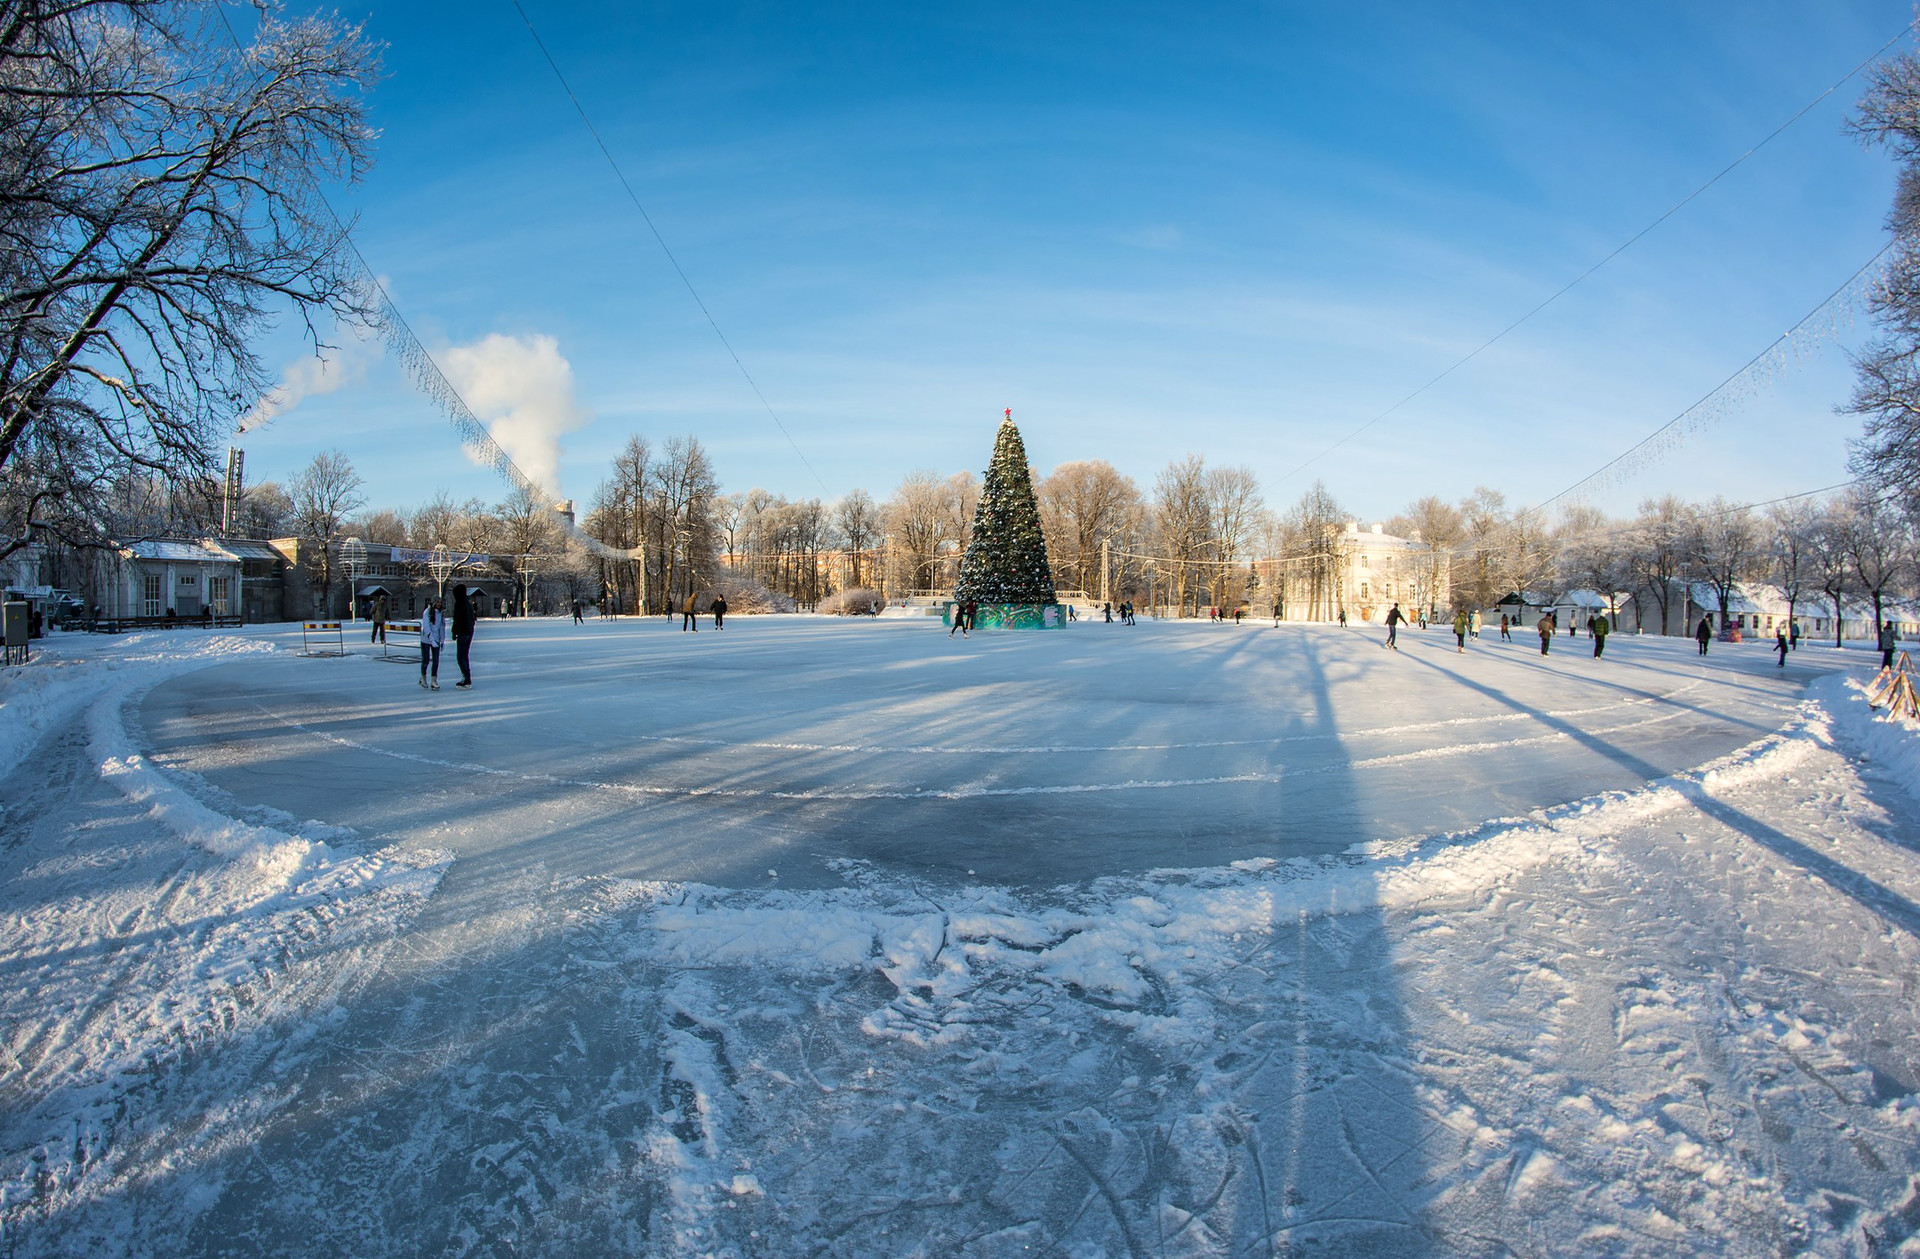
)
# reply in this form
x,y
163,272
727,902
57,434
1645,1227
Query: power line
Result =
x,y
1564,289
419,363
661,241
1674,426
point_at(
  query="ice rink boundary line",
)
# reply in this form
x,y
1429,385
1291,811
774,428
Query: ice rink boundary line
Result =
x,y
960,793
930,749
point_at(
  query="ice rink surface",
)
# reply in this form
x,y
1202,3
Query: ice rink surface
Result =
x,y
817,936
633,748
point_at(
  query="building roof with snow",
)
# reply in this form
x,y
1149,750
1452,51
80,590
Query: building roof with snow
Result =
x,y
176,551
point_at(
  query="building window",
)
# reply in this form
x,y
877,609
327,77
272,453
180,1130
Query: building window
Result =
x,y
1365,562
152,603
217,589
1363,591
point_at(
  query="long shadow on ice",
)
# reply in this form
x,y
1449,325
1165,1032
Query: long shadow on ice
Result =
x,y
1336,1134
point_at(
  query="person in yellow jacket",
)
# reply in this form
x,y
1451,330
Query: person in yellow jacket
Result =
x,y
686,616
1461,623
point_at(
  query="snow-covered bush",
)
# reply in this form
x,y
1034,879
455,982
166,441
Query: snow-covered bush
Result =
x,y
744,594
856,601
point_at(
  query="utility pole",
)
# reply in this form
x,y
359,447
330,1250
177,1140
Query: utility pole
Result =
x,y
230,497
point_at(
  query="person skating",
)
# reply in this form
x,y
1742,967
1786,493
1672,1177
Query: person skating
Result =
x,y
1599,628
959,614
433,637
1704,634
1473,623
1106,610
1780,645
1793,637
578,619
686,616
1461,624
464,622
719,611
1343,618
1237,613
1394,617
1889,643
1506,628
379,621
1545,626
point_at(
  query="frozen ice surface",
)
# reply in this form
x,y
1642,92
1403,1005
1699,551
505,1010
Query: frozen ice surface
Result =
x,y
1172,940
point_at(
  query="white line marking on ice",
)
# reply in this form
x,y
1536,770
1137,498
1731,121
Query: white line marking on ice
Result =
x,y
957,793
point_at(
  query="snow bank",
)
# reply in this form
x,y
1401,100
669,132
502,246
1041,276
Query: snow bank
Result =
x,y
1892,743
37,697
140,923
1128,939
1476,1024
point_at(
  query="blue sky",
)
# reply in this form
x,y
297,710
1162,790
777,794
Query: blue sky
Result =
x,y
1238,231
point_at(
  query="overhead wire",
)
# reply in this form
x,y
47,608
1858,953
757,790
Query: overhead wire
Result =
x,y
1680,420
1568,287
419,362
662,242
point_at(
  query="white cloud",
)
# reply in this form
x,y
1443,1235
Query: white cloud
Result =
x,y
522,388
317,374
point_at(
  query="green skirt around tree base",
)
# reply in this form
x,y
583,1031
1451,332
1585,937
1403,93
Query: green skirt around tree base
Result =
x,y
1021,616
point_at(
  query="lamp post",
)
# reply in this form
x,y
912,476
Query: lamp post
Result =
x,y
353,557
440,565
525,567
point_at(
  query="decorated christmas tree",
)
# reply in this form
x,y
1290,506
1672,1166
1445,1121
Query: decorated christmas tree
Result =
x,y
1006,562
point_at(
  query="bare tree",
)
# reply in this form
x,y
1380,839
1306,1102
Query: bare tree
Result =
x,y
158,204
1791,550
1234,513
384,527
325,493
1656,553
920,520
1878,544
526,524
860,523
1589,554
1723,547
1185,518
1833,569
1888,389
1084,505
265,511
1439,527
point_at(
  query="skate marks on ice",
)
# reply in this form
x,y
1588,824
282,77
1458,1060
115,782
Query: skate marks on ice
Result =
x,y
146,919
1624,1026
979,791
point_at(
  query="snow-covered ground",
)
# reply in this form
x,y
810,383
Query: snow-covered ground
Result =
x,y
817,936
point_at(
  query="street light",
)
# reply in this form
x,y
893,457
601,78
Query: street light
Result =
x,y
353,556
524,566
440,565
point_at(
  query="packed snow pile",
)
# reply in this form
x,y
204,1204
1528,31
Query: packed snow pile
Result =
x,y
1620,1026
143,916
36,697
1890,742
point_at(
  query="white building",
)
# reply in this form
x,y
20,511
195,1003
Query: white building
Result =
x,y
1378,569
161,578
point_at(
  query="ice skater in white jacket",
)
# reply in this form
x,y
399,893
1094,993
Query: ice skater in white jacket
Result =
x,y
433,636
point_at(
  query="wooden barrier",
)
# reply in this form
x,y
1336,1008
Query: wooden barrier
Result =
x,y
315,635
1892,689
